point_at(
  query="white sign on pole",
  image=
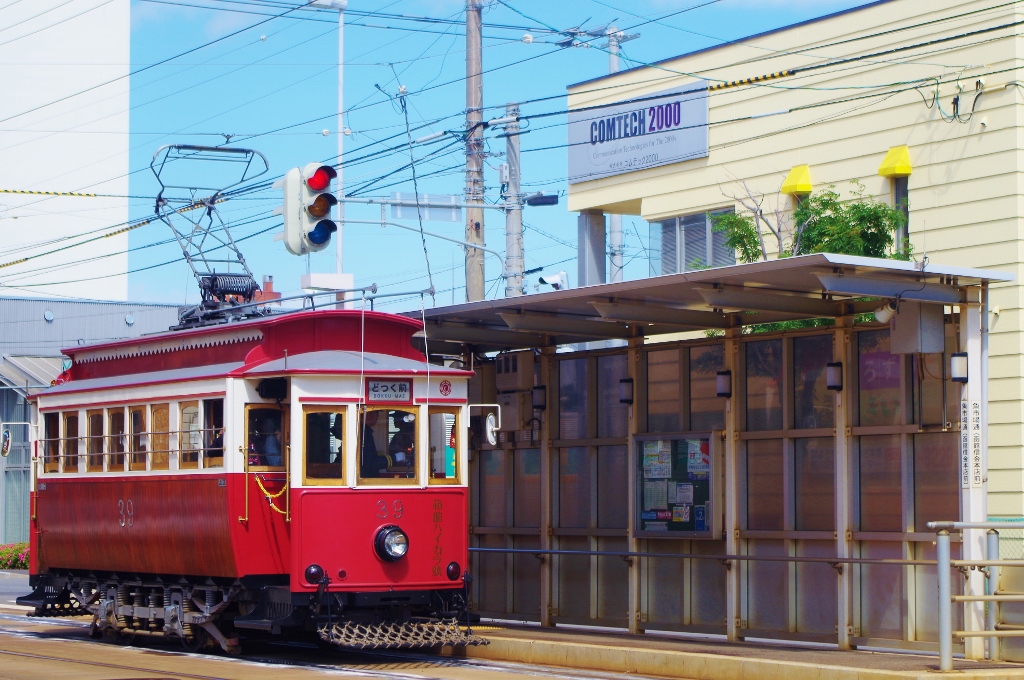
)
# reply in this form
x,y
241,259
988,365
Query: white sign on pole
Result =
x,y
662,128
433,207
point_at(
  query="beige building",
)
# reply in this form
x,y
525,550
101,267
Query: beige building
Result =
x,y
915,98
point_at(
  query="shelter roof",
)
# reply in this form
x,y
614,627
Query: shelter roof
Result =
x,y
807,286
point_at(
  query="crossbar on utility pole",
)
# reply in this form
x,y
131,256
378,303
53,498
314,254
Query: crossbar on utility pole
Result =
x,y
514,264
474,191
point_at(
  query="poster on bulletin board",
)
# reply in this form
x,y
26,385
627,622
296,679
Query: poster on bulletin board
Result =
x,y
679,494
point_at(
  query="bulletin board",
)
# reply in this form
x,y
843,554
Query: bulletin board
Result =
x,y
679,486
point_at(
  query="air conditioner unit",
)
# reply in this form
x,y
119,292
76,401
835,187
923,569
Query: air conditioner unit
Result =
x,y
514,371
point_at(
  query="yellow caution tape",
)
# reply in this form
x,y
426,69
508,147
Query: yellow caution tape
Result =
x,y
45,193
750,81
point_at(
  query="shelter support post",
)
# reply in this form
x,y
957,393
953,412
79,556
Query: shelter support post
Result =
x,y
973,473
634,426
945,610
591,248
841,352
732,526
550,379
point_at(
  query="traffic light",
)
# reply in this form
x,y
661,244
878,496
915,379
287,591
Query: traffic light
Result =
x,y
307,208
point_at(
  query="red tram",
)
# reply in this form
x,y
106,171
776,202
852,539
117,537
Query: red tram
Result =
x,y
303,471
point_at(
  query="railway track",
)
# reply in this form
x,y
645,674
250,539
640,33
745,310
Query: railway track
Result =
x,y
270,660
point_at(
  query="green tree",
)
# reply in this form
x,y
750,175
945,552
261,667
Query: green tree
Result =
x,y
822,223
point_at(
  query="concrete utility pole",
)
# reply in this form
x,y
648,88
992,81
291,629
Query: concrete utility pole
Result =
x,y
615,243
474,152
513,207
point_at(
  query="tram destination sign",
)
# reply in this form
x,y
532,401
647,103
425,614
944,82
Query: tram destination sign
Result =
x,y
383,391
651,130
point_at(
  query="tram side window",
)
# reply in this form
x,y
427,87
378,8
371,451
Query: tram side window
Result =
x,y
444,445
189,436
388,445
213,433
70,441
267,434
115,441
94,447
139,438
325,434
160,453
51,442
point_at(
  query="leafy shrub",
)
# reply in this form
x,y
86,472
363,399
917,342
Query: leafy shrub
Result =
x,y
14,556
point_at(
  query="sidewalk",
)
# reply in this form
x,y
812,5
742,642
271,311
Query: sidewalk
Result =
x,y
712,660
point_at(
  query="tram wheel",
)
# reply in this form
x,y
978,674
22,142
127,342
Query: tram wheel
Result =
x,y
195,643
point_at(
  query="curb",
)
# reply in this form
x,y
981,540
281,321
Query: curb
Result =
x,y
691,665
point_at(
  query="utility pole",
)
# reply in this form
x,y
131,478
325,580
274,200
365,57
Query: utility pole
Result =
x,y
615,243
513,207
474,192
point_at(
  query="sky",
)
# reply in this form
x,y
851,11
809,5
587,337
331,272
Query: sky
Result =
x,y
271,85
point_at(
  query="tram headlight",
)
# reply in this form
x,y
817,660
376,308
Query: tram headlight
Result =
x,y
314,574
391,544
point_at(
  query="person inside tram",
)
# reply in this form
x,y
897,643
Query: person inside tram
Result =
x,y
371,463
403,444
272,444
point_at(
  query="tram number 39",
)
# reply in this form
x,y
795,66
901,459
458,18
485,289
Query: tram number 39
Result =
x,y
395,511
126,513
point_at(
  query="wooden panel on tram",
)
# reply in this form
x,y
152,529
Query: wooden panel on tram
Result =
x,y
152,524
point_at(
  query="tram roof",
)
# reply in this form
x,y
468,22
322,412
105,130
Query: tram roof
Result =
x,y
806,286
311,363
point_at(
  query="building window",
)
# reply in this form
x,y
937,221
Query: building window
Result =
x,y
687,243
901,200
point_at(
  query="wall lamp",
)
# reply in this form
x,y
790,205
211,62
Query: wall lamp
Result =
x,y
834,376
540,397
626,391
958,367
723,384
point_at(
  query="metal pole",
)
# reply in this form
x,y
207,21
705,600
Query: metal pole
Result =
x,y
513,208
474,191
992,553
615,246
945,605
339,260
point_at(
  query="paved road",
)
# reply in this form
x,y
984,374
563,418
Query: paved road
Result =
x,y
49,648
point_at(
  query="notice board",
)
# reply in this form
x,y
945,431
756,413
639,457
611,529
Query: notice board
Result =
x,y
679,486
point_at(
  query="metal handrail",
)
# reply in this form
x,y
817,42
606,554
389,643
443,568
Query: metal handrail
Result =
x,y
990,567
831,561
129,456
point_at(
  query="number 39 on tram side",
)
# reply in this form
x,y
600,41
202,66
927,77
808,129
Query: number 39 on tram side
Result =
x,y
299,472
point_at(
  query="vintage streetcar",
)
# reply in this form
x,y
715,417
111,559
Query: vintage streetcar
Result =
x,y
298,472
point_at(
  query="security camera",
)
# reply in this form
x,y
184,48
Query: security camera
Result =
x,y
557,281
885,313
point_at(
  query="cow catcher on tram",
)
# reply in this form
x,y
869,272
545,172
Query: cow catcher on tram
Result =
x,y
293,473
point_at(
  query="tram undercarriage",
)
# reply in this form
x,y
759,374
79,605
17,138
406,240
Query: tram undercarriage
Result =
x,y
209,614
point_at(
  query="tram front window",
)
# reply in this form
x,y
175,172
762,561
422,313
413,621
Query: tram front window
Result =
x,y
387,448
325,434
266,438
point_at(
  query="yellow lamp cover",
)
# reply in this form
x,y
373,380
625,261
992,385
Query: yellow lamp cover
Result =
x,y
896,163
798,181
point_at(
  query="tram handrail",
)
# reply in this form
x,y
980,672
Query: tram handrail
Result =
x,y
55,451
990,568
725,558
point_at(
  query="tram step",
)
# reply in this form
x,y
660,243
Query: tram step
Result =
x,y
273,612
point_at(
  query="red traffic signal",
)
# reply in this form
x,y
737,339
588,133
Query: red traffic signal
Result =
x,y
321,178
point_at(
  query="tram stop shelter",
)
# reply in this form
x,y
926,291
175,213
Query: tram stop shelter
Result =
x,y
689,453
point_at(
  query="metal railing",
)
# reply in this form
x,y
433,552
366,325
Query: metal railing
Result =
x,y
990,568
834,562
131,452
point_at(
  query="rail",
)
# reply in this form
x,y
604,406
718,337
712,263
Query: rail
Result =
x,y
990,567
195,449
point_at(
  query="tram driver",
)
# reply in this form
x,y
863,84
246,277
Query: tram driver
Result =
x,y
388,447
